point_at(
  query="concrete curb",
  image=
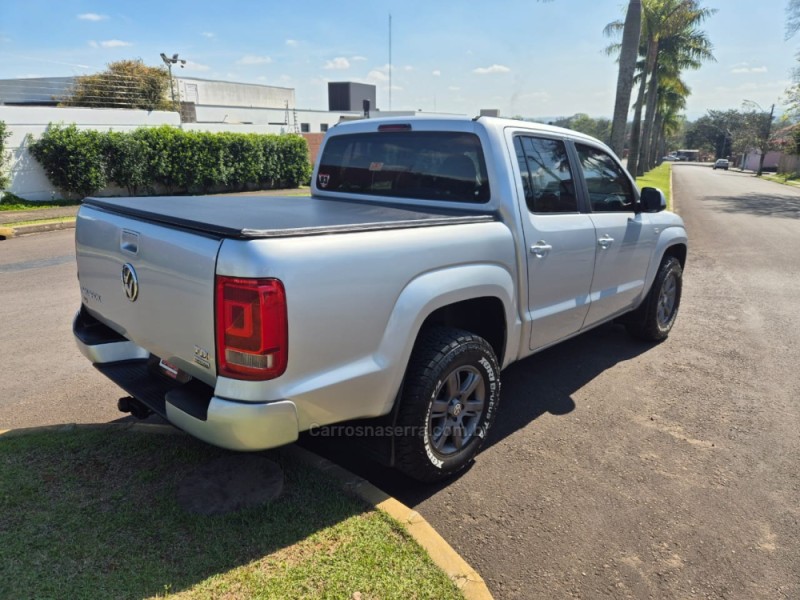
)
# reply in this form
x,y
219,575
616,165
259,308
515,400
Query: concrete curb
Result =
x,y
10,231
443,555
672,204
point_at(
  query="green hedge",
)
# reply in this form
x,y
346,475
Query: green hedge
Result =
x,y
82,162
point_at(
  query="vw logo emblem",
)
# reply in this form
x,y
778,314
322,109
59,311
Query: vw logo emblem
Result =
x,y
130,283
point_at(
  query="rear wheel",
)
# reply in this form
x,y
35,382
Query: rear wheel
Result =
x,y
450,396
654,319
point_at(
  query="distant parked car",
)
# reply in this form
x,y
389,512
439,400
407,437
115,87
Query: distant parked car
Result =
x,y
721,164
670,157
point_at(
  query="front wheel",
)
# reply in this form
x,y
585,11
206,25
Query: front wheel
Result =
x,y
654,319
450,395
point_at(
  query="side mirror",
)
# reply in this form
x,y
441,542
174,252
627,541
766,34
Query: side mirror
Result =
x,y
652,200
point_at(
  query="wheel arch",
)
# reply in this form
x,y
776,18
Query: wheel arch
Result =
x,y
476,298
678,250
484,316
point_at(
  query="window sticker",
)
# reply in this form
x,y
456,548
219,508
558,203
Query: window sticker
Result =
x,y
324,180
376,166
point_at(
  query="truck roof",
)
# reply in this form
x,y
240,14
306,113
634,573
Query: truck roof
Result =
x,y
450,122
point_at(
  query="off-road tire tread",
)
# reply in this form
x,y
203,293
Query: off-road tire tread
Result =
x,y
643,322
432,347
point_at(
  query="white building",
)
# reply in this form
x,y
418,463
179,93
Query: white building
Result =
x,y
271,109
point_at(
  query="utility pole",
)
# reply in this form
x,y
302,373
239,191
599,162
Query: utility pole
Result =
x,y
765,143
390,61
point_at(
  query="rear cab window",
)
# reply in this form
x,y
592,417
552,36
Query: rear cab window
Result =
x,y
424,165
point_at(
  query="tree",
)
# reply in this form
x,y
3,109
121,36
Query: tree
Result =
x,y
792,27
627,67
598,128
681,46
721,132
760,130
672,93
792,18
732,132
124,84
661,21
629,50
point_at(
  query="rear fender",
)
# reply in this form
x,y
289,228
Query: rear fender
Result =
x,y
437,289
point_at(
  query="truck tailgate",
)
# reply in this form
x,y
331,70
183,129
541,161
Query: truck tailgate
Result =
x,y
152,284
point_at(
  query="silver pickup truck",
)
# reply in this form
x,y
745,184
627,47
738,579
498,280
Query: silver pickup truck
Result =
x,y
432,254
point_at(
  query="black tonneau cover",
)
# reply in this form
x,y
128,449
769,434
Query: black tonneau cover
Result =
x,y
279,216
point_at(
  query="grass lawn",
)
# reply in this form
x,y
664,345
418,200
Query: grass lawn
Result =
x,y
41,221
93,514
784,179
658,178
12,202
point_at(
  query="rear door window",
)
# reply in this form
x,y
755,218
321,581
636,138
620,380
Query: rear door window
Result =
x,y
426,165
546,175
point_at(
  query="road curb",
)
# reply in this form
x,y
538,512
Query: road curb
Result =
x,y
10,231
672,190
443,555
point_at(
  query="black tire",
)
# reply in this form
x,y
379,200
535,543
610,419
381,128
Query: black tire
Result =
x,y
654,319
450,396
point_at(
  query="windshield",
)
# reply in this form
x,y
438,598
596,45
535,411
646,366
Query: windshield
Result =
x,y
425,165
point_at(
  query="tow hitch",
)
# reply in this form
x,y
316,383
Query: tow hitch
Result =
x,y
129,404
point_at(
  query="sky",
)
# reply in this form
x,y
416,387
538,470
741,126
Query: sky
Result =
x,y
534,59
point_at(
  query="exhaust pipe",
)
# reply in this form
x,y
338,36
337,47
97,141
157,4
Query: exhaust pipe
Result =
x,y
129,404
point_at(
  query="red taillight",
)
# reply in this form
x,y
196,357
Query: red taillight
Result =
x,y
252,332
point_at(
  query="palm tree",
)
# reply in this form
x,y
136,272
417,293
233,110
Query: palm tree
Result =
x,y
679,45
665,24
685,50
631,30
629,50
672,94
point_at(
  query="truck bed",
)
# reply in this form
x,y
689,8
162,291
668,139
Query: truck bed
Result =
x,y
247,217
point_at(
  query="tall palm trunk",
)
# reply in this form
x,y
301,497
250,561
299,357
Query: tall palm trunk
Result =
x,y
627,67
636,129
657,137
652,98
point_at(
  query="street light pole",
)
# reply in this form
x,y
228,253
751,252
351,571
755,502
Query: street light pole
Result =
x,y
169,62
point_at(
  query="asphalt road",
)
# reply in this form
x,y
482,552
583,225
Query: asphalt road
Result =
x,y
622,470
45,380
616,469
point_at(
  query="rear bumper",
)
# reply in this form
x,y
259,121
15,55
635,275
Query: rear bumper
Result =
x,y
192,406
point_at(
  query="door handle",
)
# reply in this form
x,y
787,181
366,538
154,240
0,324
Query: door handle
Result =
x,y
605,241
541,248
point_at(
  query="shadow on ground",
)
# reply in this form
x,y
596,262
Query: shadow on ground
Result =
x,y
543,383
763,205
